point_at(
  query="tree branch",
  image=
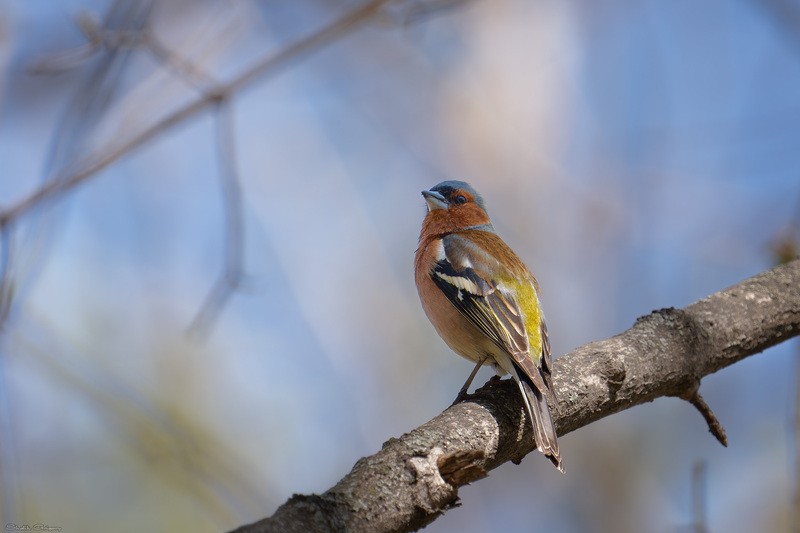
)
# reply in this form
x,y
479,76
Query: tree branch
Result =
x,y
415,479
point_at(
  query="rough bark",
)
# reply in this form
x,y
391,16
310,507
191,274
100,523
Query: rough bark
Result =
x,y
415,478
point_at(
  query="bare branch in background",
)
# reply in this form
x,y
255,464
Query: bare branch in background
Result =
x,y
414,479
699,473
191,73
231,276
6,289
416,11
122,29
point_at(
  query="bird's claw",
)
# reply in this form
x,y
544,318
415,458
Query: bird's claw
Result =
x,y
460,397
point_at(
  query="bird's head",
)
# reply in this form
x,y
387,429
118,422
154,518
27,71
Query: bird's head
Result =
x,y
454,206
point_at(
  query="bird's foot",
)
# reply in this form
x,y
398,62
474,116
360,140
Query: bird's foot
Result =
x,y
461,396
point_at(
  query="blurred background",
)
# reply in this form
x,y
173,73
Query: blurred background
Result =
x,y
215,308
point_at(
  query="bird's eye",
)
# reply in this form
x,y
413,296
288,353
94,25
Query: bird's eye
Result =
x,y
460,199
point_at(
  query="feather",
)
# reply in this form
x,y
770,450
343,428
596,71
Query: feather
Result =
x,y
495,304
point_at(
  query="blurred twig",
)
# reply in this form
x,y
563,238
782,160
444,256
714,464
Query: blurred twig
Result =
x,y
699,524
232,272
416,11
6,289
122,28
190,72
115,40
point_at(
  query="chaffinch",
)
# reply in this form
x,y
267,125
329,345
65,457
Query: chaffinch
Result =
x,y
483,301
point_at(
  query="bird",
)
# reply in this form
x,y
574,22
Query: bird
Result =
x,y
484,302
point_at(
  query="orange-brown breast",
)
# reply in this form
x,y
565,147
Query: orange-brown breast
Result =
x,y
460,334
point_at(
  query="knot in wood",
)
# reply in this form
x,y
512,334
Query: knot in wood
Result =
x,y
431,491
676,327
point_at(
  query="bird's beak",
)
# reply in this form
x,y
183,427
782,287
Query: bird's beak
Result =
x,y
434,200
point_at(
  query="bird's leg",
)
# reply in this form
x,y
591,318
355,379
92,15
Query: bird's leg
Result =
x,y
462,394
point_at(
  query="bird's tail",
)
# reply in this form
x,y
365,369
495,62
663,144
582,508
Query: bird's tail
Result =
x,y
538,411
